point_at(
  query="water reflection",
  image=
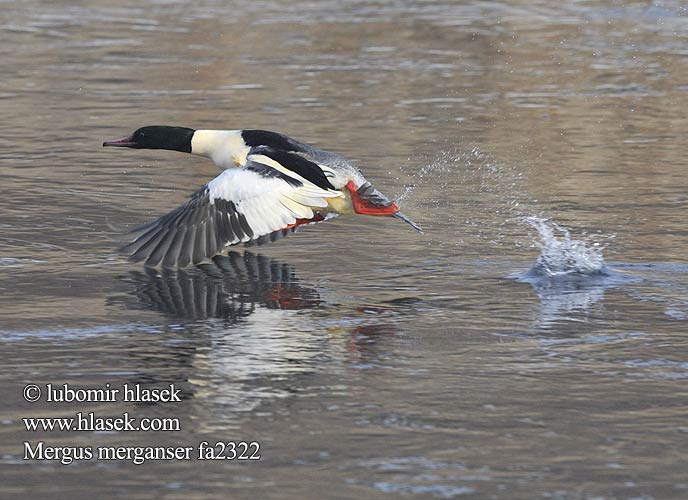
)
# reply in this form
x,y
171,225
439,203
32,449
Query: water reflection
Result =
x,y
565,295
230,288
247,333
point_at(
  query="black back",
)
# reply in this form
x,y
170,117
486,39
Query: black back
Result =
x,y
296,163
255,138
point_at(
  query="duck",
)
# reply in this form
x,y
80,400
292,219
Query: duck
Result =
x,y
270,184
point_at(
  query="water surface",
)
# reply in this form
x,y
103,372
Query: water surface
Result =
x,y
369,361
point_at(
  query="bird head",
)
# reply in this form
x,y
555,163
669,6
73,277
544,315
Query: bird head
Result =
x,y
157,137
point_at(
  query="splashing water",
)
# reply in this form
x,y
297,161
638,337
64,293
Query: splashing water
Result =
x,y
408,189
561,255
475,179
569,275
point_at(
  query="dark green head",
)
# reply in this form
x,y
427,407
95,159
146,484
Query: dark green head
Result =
x,y
157,137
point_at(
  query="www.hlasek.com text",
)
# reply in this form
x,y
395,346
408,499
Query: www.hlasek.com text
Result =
x,y
90,422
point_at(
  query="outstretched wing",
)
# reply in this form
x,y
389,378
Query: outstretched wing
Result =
x,y
238,206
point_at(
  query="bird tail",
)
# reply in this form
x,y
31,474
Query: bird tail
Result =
x,y
408,221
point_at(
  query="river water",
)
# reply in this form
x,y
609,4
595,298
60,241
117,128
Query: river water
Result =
x,y
532,344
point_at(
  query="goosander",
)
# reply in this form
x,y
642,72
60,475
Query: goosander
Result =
x,y
282,183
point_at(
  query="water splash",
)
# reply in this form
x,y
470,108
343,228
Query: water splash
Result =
x,y
562,255
570,275
408,189
486,195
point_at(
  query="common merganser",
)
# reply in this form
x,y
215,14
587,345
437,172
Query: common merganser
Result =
x,y
282,184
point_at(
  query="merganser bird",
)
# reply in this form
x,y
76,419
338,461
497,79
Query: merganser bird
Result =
x,y
282,184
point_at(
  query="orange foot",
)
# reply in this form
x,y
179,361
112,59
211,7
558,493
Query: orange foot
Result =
x,y
365,207
299,222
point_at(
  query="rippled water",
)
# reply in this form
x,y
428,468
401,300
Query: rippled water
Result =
x,y
368,360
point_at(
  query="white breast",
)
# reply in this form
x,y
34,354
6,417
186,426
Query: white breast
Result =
x,y
225,147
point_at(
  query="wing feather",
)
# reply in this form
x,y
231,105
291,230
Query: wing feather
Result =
x,y
199,248
186,250
257,203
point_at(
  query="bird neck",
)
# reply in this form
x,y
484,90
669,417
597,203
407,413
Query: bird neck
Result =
x,y
225,147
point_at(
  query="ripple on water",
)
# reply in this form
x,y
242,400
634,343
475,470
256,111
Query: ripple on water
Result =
x,y
17,262
415,475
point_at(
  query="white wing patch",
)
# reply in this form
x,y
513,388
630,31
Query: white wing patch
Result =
x,y
238,206
268,203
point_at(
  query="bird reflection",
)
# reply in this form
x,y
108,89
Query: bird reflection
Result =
x,y
229,288
247,341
